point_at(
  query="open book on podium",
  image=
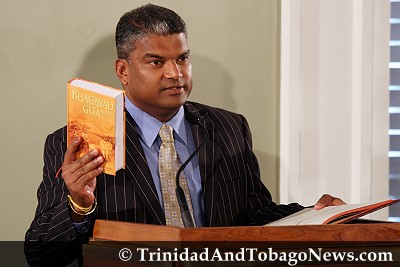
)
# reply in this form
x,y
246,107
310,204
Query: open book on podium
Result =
x,y
333,214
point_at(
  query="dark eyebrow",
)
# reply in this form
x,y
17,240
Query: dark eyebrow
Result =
x,y
187,53
150,55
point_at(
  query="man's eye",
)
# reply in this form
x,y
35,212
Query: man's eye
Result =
x,y
156,62
184,58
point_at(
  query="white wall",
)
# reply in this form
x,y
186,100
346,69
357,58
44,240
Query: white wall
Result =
x,y
334,100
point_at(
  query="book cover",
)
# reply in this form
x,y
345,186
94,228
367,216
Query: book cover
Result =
x,y
96,113
333,214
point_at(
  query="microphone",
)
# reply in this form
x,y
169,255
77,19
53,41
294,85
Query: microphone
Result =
x,y
180,195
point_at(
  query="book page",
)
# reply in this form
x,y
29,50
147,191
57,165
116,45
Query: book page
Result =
x,y
310,216
96,87
306,216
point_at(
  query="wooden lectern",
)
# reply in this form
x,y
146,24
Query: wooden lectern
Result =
x,y
109,237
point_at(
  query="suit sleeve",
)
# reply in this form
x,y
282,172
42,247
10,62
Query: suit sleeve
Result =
x,y
52,239
261,208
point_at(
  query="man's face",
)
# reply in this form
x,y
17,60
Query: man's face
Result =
x,y
158,76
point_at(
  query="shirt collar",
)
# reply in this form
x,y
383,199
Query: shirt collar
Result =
x,y
150,126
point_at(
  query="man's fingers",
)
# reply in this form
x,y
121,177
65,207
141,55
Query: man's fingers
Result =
x,y
82,191
328,200
70,154
83,170
90,171
88,162
324,200
80,176
94,156
337,202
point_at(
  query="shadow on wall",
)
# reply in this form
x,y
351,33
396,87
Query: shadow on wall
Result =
x,y
212,83
98,64
269,172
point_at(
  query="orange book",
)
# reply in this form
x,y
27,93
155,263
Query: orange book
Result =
x,y
333,214
96,113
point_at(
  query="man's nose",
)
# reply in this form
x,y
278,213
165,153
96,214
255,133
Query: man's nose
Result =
x,y
173,70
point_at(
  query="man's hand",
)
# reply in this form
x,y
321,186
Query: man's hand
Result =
x,y
328,200
80,174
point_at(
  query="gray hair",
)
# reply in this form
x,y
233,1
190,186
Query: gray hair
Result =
x,y
143,21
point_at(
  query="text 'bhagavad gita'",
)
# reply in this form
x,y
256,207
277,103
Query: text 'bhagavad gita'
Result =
x,y
93,105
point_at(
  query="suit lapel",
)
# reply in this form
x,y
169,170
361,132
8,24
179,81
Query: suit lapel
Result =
x,y
138,172
209,156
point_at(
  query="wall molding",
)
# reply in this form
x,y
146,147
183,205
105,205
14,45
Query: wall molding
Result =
x,y
334,99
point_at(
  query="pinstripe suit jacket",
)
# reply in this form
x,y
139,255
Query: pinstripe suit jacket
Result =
x,y
232,191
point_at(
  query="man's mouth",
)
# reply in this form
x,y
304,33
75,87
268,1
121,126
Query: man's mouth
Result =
x,y
174,88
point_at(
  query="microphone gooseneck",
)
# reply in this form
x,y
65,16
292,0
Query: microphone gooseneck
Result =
x,y
183,205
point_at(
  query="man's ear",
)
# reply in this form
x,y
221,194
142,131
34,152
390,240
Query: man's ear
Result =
x,y
121,69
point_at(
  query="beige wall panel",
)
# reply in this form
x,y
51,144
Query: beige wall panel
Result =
x,y
45,43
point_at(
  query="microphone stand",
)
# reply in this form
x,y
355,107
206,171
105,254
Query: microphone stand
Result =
x,y
180,194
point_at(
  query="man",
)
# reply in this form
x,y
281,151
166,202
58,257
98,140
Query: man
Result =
x,y
224,187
